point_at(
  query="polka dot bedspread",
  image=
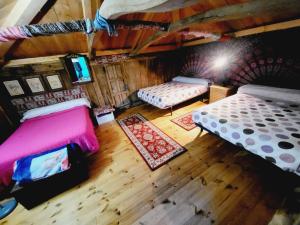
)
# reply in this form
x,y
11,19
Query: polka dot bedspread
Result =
x,y
264,126
171,93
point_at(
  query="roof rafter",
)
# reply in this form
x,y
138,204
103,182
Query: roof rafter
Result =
x,y
22,13
232,12
251,31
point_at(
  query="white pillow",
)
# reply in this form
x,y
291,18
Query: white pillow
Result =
x,y
291,95
41,111
192,80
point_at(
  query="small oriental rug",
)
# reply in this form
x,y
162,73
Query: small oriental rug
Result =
x,y
155,146
185,121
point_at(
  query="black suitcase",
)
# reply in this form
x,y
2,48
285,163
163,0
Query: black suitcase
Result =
x,y
37,192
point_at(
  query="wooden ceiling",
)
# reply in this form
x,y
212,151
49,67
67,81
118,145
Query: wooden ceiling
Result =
x,y
5,7
64,10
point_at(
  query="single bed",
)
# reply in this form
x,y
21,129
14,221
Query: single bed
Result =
x,y
40,133
262,120
180,89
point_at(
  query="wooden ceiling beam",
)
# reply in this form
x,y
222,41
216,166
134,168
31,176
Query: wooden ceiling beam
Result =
x,y
35,60
251,31
161,48
56,58
152,49
267,28
232,12
22,13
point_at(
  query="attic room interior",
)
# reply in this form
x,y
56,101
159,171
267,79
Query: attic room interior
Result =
x,y
150,112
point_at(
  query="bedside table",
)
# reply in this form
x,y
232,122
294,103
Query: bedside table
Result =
x,y
104,114
217,92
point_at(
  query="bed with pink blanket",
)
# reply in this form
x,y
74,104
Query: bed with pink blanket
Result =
x,y
46,132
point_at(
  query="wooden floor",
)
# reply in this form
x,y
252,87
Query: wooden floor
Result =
x,y
212,183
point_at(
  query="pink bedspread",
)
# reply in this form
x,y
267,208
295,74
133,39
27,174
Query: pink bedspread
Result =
x,y
45,133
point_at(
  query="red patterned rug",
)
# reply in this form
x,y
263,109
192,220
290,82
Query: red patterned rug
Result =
x,y
155,146
185,121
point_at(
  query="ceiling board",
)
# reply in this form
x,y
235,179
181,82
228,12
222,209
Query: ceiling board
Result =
x,y
64,10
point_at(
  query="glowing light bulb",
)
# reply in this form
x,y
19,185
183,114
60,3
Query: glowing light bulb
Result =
x,y
220,62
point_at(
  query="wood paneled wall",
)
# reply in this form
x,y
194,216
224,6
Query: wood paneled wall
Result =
x,y
117,84
114,84
7,113
6,126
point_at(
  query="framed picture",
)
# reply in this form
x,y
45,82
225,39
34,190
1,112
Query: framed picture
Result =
x,y
54,82
13,87
35,84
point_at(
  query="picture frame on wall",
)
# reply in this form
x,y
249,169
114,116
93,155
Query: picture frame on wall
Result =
x,y
54,82
14,87
34,84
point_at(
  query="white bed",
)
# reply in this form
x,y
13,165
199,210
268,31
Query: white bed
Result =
x,y
263,120
180,89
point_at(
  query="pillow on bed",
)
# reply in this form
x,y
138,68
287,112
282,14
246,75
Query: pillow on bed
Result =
x,y
292,95
41,111
192,80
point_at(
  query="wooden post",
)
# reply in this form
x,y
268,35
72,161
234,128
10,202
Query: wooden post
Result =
x,y
87,13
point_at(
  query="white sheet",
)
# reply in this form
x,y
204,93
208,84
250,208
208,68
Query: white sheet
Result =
x,y
290,95
41,111
265,127
171,93
192,80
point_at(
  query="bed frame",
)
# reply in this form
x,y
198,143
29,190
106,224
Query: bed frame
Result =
x,y
241,147
201,98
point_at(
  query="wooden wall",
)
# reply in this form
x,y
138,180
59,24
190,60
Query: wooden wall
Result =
x,y
114,84
6,127
7,115
117,84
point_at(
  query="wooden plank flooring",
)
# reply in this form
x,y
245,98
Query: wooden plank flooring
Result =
x,y
212,183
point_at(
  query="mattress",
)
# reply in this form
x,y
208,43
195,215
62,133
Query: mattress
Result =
x,y
45,133
264,123
171,93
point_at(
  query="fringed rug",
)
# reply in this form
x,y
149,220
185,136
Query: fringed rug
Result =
x,y
155,146
185,121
